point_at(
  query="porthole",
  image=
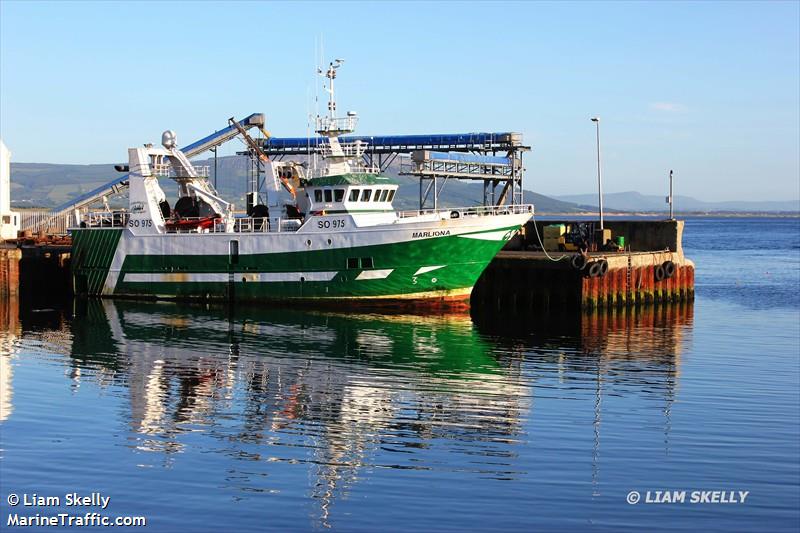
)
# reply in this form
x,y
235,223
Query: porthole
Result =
x,y
308,242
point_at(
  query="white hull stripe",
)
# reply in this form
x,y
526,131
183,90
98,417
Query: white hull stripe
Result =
x,y
287,276
375,274
223,277
488,236
423,270
207,277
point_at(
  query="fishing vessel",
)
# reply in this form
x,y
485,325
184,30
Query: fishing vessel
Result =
x,y
339,241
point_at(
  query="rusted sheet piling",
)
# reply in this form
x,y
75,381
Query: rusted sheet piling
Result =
x,y
9,270
529,280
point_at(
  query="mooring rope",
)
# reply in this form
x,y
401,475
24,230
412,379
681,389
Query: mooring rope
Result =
x,y
533,217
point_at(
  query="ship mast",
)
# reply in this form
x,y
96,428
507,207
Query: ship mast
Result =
x,y
331,75
341,158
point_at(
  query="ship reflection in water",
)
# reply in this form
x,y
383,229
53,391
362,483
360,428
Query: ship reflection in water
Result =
x,y
345,395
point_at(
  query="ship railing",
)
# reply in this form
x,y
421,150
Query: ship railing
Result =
x,y
476,211
354,169
341,124
266,225
240,225
50,223
105,219
166,170
365,169
352,149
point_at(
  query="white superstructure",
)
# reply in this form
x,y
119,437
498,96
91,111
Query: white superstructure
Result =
x,y
9,220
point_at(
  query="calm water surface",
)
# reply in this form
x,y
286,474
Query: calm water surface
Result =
x,y
204,420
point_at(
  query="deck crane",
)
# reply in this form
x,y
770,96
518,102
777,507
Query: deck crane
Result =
x,y
253,145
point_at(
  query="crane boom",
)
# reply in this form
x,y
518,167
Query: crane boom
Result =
x,y
261,155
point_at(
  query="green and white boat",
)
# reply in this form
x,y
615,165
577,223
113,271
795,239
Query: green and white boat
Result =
x,y
340,242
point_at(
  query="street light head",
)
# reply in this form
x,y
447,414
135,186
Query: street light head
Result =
x,y
595,119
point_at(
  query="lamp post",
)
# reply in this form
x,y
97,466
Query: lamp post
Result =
x,y
671,217
596,121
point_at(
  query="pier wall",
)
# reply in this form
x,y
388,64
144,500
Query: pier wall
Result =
x,y
531,280
9,271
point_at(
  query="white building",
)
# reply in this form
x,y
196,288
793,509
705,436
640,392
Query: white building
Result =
x,y
9,220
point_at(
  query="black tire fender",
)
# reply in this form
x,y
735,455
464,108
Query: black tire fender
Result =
x,y
669,269
578,261
595,268
659,273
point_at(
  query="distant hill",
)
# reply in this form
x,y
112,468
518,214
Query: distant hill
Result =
x,y
635,201
50,185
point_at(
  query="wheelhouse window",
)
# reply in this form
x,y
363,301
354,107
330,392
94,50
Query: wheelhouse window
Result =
x,y
318,196
391,196
354,194
366,194
384,194
328,195
338,195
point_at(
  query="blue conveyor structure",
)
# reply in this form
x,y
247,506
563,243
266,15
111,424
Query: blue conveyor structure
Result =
x,y
399,144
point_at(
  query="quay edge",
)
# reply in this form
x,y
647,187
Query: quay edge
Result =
x,y
521,280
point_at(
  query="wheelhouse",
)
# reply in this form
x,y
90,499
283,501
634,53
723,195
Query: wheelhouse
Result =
x,y
348,193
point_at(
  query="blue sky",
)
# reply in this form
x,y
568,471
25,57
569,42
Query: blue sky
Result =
x,y
710,89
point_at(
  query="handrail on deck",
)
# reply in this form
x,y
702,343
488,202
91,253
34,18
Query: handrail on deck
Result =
x,y
479,211
120,219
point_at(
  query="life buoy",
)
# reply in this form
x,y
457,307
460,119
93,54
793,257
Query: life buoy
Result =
x,y
578,261
659,272
669,269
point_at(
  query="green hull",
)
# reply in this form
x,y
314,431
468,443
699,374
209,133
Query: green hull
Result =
x,y
441,268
